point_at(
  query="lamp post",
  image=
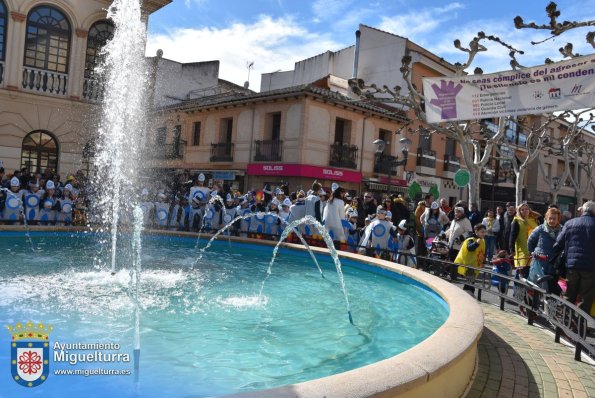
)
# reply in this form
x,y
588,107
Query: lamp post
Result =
x,y
391,161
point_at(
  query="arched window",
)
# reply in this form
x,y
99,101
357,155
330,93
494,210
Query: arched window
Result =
x,y
3,20
99,34
47,44
39,152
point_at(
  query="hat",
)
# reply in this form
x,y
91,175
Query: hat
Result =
x,y
50,185
34,183
347,196
287,202
334,186
278,191
201,177
15,182
275,202
380,209
459,209
228,198
322,192
161,195
434,205
68,187
402,225
70,178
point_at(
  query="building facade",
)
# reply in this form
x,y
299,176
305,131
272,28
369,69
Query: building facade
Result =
x,y
48,88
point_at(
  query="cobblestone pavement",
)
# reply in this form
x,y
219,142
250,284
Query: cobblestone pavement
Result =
x,y
517,360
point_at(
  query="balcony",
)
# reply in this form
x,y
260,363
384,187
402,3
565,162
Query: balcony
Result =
x,y
168,151
93,89
426,158
222,152
267,150
343,155
45,81
1,72
451,163
385,164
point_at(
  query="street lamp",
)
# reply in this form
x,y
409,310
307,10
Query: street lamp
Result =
x,y
391,161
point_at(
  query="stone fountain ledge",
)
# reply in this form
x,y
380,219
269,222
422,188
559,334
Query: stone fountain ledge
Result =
x,y
442,365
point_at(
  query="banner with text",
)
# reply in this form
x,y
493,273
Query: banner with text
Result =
x,y
547,88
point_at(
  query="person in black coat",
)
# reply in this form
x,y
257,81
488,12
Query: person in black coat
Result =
x,y
508,217
576,240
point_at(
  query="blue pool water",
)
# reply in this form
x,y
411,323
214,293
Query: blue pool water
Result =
x,y
204,331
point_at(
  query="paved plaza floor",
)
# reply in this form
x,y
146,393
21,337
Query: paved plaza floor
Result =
x,y
518,360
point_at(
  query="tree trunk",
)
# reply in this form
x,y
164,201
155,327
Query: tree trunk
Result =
x,y
520,176
474,180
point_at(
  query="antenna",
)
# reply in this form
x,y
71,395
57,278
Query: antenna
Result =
x,y
249,65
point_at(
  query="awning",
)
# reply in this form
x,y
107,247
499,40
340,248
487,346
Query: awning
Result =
x,y
374,186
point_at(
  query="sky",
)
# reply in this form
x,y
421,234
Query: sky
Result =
x,y
274,34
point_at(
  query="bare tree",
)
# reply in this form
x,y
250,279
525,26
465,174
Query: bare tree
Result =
x,y
475,138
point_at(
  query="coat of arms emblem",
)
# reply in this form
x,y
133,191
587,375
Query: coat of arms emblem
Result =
x,y
30,353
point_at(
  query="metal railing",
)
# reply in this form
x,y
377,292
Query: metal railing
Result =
x,y
93,89
426,157
451,163
222,152
565,317
267,150
384,163
45,81
343,155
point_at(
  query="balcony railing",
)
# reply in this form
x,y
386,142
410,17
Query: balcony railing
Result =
x,y
451,163
343,155
93,89
45,81
174,150
383,164
267,150
426,158
1,72
222,152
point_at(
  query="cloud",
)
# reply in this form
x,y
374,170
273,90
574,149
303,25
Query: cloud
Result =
x,y
325,9
271,43
420,21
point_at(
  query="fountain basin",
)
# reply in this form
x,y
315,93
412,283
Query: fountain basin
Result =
x,y
442,363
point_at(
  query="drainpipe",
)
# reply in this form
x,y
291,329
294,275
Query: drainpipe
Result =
x,y
247,179
361,158
356,56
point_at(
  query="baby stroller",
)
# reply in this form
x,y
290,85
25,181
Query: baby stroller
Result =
x,y
437,249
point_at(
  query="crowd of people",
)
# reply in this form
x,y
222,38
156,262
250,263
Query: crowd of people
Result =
x,y
511,237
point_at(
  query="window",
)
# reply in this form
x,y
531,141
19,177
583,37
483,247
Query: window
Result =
x,y
385,135
161,135
39,152
48,40
196,134
225,130
425,141
99,34
450,147
2,32
273,126
342,131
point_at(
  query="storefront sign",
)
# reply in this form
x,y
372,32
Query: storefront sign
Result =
x,y
303,170
393,181
546,88
224,175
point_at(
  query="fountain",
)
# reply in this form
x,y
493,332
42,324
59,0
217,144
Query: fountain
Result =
x,y
213,329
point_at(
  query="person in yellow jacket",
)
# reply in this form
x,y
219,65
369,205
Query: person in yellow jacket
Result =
x,y
472,253
523,223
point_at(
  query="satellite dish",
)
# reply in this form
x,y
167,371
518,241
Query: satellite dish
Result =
x,y
246,84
